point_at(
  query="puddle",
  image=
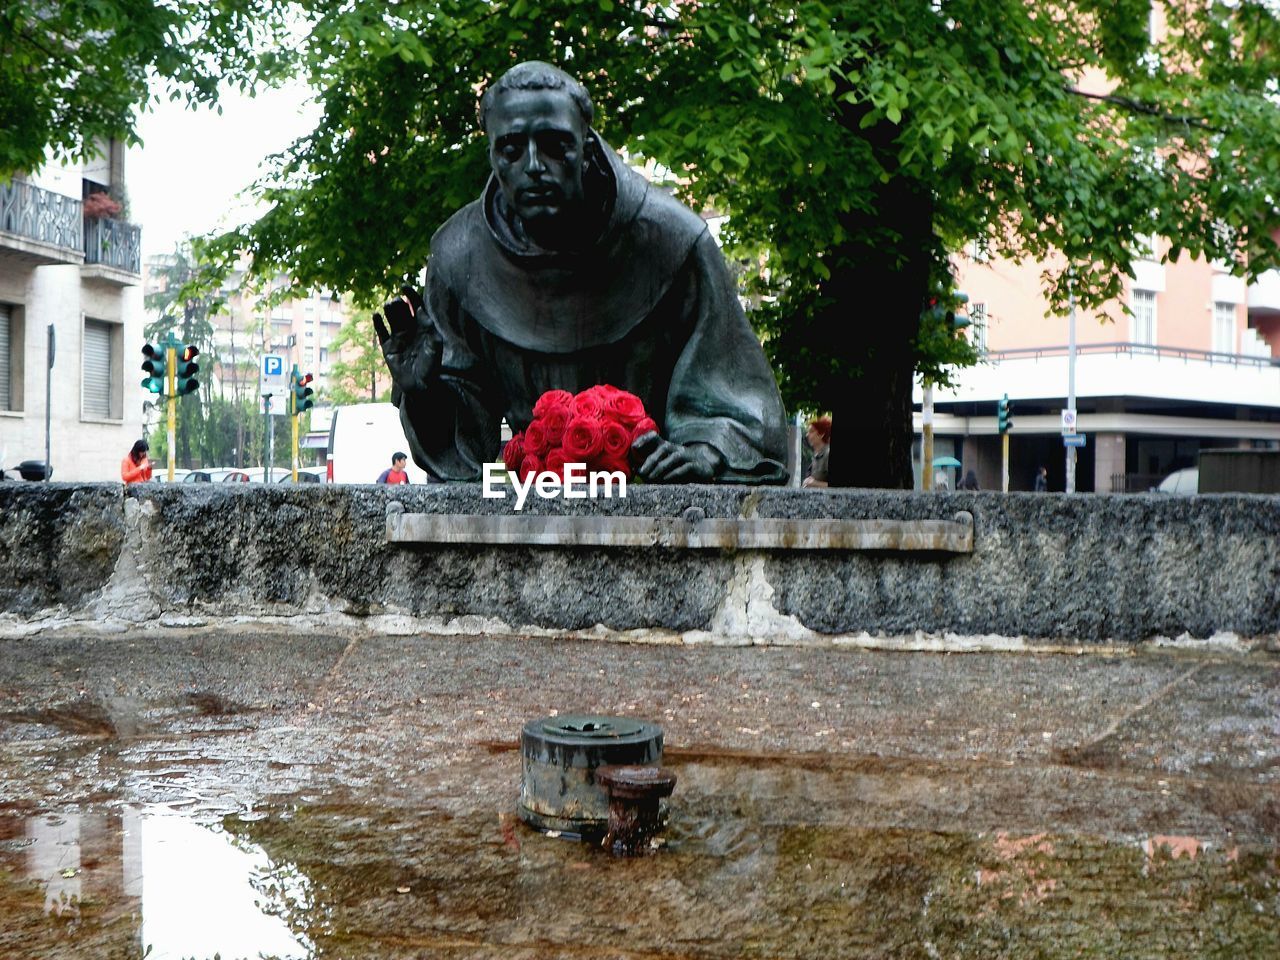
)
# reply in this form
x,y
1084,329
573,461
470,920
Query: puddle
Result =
x,y
304,881
144,882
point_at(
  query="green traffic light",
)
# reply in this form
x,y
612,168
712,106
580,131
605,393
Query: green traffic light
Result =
x,y
155,368
1004,414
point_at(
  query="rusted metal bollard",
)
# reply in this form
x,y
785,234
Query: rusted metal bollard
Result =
x,y
634,795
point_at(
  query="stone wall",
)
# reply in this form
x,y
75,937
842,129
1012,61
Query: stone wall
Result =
x,y
1050,569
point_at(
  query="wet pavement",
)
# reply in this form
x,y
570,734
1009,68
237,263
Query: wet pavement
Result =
x,y
254,792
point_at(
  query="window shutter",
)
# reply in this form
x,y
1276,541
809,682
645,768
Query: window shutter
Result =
x,y
97,370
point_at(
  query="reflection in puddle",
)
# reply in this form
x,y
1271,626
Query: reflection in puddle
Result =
x,y
185,889
357,880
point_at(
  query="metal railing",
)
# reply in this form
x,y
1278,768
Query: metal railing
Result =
x,y
113,243
1135,349
37,214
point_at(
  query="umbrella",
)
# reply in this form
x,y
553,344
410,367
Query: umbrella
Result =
x,y
946,462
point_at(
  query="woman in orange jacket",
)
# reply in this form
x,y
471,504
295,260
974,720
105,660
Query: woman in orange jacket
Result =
x,y
135,468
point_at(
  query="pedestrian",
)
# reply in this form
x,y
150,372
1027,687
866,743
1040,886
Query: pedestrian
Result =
x,y
136,466
1042,480
396,473
970,481
819,437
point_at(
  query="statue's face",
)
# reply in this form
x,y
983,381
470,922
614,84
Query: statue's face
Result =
x,y
535,147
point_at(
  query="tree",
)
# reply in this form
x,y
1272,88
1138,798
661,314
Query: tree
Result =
x,y
359,374
74,73
189,316
853,144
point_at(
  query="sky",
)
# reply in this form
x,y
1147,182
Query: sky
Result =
x,y
185,177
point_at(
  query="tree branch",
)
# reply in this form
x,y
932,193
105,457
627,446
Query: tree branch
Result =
x,y
1145,108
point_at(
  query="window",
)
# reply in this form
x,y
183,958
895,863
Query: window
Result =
x,y
1146,246
6,358
96,371
101,397
1144,317
1224,327
978,316
980,249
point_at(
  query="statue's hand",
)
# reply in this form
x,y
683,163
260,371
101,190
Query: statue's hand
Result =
x,y
664,462
409,342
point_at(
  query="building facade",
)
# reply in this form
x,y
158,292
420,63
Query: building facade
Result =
x,y
1192,364
71,319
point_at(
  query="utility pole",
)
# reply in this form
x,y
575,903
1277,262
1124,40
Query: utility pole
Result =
x,y
1071,378
271,440
48,399
171,372
926,441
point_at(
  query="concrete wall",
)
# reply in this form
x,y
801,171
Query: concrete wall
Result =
x,y
1046,568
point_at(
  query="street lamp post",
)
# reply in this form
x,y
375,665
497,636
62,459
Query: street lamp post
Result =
x,y
1071,379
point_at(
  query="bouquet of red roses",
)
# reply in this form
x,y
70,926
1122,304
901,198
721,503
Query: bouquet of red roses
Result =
x,y
595,427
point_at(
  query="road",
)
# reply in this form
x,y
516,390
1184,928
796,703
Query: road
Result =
x,y
354,796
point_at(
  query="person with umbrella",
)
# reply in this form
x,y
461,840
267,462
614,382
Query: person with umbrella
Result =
x,y
941,482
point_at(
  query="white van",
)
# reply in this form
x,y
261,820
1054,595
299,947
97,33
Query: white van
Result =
x,y
362,438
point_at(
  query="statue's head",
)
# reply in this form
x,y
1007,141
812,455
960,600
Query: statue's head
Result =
x,y
537,119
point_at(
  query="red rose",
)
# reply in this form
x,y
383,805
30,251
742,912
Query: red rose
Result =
x,y
556,419
537,439
555,461
612,464
617,441
646,425
583,439
530,466
589,404
552,398
513,452
626,408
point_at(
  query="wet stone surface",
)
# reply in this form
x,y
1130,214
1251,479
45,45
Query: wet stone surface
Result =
x,y
246,794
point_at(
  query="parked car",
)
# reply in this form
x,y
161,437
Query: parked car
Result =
x,y
304,476
1180,482
221,475
160,474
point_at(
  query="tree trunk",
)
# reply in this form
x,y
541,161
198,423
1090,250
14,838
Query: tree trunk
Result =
x,y
870,320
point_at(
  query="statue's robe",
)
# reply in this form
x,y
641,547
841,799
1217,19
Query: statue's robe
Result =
x,y
650,307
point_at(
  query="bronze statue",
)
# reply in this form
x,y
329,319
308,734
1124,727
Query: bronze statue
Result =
x,y
569,271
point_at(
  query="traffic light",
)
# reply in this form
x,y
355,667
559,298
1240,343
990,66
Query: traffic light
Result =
x,y
187,369
943,310
1004,414
300,392
155,368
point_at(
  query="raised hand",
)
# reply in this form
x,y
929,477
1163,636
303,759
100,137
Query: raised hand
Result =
x,y
400,318
409,342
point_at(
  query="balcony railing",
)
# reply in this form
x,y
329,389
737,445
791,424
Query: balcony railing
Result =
x,y
113,243
1135,349
36,214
